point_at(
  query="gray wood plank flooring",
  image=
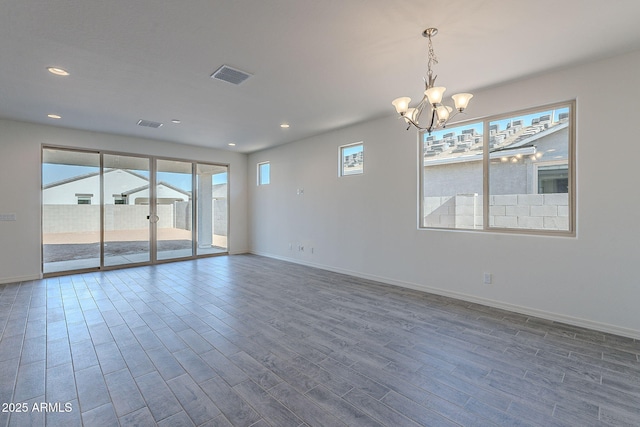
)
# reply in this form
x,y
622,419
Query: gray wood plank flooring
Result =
x,y
251,341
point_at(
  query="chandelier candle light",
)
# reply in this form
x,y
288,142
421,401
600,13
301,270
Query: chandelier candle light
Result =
x,y
440,114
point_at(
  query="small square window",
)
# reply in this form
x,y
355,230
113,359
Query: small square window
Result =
x,y
120,199
352,159
553,178
264,173
84,199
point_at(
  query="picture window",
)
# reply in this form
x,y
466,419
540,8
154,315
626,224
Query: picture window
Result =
x,y
513,172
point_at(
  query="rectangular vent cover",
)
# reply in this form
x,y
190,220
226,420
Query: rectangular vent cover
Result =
x,y
230,75
149,124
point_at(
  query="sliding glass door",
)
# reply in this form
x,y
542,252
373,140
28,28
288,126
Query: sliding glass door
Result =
x,y
212,189
126,224
174,209
70,210
106,210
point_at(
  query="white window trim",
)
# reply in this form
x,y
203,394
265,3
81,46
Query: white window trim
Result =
x,y
259,173
341,159
84,196
571,232
543,164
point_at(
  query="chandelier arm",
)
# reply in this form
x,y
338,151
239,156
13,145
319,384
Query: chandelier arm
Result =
x,y
412,123
454,114
420,107
412,115
433,117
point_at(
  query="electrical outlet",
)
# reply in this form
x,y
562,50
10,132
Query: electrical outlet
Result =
x,y
487,278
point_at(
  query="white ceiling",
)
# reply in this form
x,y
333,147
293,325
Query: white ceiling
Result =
x,y
316,64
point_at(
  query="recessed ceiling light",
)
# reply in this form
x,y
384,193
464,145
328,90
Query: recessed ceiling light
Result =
x,y
284,126
54,116
58,71
232,144
176,121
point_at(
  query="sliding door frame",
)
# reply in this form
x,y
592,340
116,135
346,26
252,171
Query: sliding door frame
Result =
x,y
153,232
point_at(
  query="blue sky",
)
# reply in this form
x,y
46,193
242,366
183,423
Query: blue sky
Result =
x,y
502,124
56,172
352,149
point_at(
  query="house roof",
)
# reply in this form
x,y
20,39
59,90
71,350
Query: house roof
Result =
x,y
146,187
132,191
522,141
318,65
90,175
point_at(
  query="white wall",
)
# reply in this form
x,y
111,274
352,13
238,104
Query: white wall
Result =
x,y
366,224
20,147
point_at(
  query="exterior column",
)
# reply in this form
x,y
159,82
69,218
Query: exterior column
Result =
x,y
205,210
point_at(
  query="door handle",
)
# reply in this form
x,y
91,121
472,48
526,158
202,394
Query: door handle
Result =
x,y
153,218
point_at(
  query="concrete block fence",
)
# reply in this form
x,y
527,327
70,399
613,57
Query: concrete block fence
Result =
x,y
530,211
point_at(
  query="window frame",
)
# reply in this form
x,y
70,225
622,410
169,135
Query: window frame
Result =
x,y
341,164
536,172
104,201
120,199
84,199
486,158
259,173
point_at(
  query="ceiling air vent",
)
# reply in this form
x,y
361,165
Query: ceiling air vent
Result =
x,y
230,75
149,124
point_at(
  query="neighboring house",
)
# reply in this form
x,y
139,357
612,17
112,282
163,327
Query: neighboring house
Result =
x,y
530,159
121,187
529,165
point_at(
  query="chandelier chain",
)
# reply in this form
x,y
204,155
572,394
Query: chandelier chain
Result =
x,y
433,59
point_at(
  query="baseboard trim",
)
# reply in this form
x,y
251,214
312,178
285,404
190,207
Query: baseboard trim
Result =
x,y
5,280
529,311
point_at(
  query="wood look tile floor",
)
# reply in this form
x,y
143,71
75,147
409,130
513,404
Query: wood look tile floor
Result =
x,y
251,341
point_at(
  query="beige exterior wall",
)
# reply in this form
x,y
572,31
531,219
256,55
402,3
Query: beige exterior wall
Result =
x,y
86,218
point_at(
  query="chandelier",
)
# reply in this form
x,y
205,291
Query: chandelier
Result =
x,y
439,113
